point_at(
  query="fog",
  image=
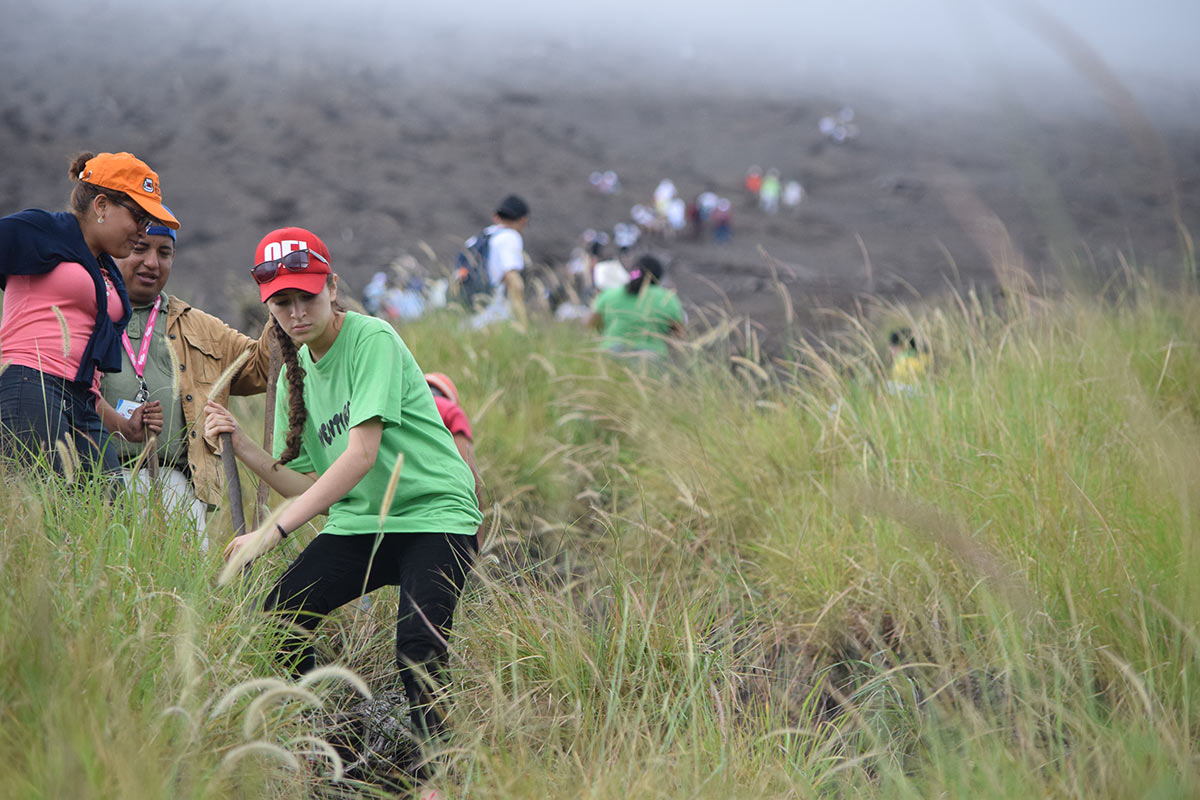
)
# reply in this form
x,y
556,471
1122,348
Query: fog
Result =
x,y
947,50
397,125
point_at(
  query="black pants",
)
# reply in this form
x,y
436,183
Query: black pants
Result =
x,y
429,569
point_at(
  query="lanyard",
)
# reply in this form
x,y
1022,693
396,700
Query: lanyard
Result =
x,y
139,362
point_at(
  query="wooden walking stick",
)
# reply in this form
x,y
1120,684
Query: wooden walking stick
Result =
x,y
234,484
228,460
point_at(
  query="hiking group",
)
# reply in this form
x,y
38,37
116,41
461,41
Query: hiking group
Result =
x,y
104,373
101,370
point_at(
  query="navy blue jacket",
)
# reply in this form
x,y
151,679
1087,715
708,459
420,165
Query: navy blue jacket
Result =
x,y
33,242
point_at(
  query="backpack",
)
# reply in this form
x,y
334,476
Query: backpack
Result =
x,y
470,270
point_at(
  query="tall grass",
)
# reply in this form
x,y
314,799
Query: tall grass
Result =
x,y
733,576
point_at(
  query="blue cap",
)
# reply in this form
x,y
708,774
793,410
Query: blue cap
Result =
x,y
161,230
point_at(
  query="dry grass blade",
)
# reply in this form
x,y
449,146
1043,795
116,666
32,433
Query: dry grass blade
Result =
x,y
257,709
319,745
255,546
427,250
487,404
246,687
149,447
862,247
758,371
544,363
66,332
930,521
228,374
340,673
1133,679
686,497
175,370
70,461
262,749
390,492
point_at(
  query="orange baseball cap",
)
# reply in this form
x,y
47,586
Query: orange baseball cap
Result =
x,y
124,172
443,384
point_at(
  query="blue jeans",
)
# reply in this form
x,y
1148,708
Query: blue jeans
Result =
x,y
37,410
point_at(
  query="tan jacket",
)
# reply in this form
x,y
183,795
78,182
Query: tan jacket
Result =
x,y
205,347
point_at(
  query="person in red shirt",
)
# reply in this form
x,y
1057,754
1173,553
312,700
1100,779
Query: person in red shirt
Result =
x,y
445,394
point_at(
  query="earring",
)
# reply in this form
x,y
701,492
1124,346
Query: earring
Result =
x,y
100,220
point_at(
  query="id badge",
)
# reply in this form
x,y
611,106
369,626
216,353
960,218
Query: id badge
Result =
x,y
143,394
126,408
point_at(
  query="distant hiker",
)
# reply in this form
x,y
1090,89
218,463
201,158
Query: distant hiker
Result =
x,y
504,263
637,318
375,293
721,221
706,204
753,182
625,236
909,363
793,193
664,193
676,215
581,262
65,306
357,402
768,194
406,302
608,274
445,395
172,356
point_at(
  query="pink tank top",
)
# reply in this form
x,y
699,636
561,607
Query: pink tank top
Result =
x,y
31,334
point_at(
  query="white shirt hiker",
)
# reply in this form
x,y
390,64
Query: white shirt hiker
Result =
x,y
506,252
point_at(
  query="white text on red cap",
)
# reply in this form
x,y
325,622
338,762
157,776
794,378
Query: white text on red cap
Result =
x,y
275,250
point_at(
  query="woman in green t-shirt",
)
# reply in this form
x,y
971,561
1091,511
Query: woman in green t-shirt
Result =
x,y
637,318
356,404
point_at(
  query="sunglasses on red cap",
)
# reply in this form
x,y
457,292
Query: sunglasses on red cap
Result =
x,y
295,261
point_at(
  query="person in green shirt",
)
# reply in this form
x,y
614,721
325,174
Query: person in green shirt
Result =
x,y
637,318
356,403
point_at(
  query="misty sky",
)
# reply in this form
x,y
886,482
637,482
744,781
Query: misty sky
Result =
x,y
1155,37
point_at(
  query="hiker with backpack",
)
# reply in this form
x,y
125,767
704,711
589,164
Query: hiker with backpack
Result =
x,y
355,407
488,270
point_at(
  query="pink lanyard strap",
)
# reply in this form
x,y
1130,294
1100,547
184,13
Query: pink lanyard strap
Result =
x,y
139,363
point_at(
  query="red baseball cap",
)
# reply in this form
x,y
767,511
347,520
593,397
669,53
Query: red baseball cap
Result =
x,y
277,244
123,172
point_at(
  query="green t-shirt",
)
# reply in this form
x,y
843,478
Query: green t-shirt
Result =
x,y
638,321
160,380
368,373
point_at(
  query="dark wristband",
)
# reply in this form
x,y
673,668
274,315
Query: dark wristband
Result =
x,y
282,533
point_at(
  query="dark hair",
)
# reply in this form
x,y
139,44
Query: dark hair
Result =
x,y
645,266
297,413
903,337
512,208
84,193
